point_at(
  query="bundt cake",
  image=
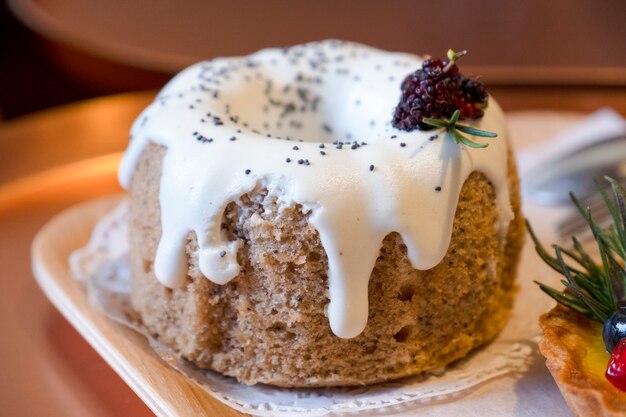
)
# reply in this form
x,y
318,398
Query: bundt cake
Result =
x,y
285,231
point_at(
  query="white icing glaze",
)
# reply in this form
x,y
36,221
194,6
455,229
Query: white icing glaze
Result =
x,y
318,93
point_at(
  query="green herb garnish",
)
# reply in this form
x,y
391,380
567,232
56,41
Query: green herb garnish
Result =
x,y
593,290
453,130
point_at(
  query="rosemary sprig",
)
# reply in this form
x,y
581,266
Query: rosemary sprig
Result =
x,y
452,128
593,290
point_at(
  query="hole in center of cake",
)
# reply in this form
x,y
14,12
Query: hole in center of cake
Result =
x,y
298,107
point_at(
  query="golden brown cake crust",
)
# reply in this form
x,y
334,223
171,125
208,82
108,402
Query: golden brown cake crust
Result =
x,y
270,325
565,344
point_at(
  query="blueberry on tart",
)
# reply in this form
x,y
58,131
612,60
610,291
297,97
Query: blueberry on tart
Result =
x,y
584,336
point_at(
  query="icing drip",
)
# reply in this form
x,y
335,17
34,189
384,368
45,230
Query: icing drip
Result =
x,y
314,121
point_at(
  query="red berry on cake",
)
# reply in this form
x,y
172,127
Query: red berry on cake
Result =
x,y
437,90
471,98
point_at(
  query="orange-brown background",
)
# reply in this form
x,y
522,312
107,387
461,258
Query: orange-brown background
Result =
x,y
569,53
534,54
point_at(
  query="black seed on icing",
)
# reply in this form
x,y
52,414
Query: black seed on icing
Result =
x,y
288,160
327,128
238,130
295,148
306,162
402,144
437,188
303,94
322,153
354,146
321,146
222,254
191,106
202,120
394,136
433,137
300,161
203,139
316,101
371,167
268,135
247,171
195,133
233,138
339,146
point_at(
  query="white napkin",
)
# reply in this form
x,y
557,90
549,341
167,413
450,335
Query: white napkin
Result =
x,y
599,126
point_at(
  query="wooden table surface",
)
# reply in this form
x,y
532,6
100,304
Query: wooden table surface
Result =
x,y
47,368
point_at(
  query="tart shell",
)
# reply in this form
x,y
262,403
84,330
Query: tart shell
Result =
x,y
574,357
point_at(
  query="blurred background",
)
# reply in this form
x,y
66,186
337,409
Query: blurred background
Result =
x,y
74,74
59,51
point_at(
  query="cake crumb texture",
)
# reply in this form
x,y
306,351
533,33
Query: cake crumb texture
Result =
x,y
269,324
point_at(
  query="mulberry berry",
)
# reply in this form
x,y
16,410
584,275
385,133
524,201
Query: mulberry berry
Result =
x,y
435,91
